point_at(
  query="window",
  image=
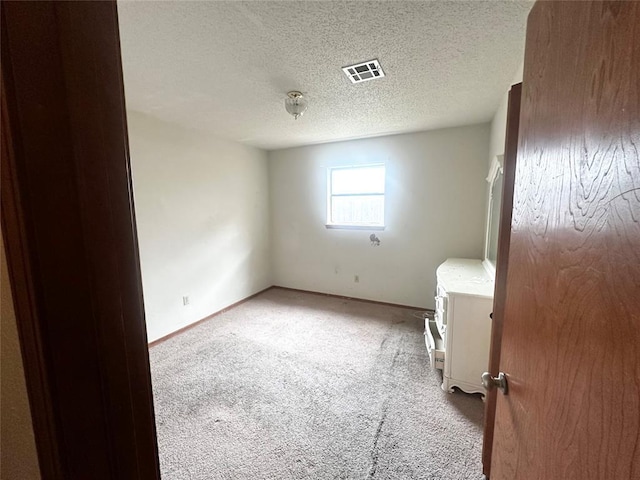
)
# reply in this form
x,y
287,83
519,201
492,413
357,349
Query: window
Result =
x,y
356,197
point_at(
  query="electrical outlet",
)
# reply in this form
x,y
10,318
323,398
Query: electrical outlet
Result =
x,y
185,300
356,278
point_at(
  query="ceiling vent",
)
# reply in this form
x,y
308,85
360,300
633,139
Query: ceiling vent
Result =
x,y
363,72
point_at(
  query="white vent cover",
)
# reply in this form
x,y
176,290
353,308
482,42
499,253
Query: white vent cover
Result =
x,y
363,72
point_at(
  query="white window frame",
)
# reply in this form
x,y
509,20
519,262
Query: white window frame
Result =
x,y
355,226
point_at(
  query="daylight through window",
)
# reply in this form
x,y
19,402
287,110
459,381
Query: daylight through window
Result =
x,y
356,196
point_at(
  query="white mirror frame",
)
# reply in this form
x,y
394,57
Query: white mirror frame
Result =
x,y
495,170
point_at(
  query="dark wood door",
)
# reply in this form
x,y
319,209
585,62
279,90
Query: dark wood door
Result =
x,y
571,333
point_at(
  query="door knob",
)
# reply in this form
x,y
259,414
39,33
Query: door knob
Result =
x,y
500,381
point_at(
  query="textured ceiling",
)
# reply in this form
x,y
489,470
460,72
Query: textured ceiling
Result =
x,y
225,67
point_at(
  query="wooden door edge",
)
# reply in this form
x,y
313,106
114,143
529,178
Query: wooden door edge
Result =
x,y
504,234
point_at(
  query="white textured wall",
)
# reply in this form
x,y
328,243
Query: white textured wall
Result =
x,y
18,457
202,211
434,210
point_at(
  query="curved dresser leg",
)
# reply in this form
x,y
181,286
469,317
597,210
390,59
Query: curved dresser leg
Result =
x,y
445,385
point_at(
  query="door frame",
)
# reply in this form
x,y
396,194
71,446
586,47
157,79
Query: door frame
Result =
x,y
502,266
71,243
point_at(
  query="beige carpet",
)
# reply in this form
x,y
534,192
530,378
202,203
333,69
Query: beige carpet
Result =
x,y
292,385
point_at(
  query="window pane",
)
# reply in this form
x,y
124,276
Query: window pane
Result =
x,y
357,180
358,210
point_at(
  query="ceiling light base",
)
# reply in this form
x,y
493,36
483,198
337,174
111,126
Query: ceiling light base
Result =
x,y
295,104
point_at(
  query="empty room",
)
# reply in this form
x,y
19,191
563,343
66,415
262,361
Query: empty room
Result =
x,y
320,240
285,149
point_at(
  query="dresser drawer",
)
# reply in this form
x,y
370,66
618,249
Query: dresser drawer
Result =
x,y
440,315
438,319
435,344
441,303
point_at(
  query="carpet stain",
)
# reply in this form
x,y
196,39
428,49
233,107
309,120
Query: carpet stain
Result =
x,y
395,357
374,450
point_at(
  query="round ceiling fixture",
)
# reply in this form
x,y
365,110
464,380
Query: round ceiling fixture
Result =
x,y
295,104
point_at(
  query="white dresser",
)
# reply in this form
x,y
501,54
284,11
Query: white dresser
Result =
x,y
459,337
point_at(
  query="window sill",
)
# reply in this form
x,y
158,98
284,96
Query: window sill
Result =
x,y
355,227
